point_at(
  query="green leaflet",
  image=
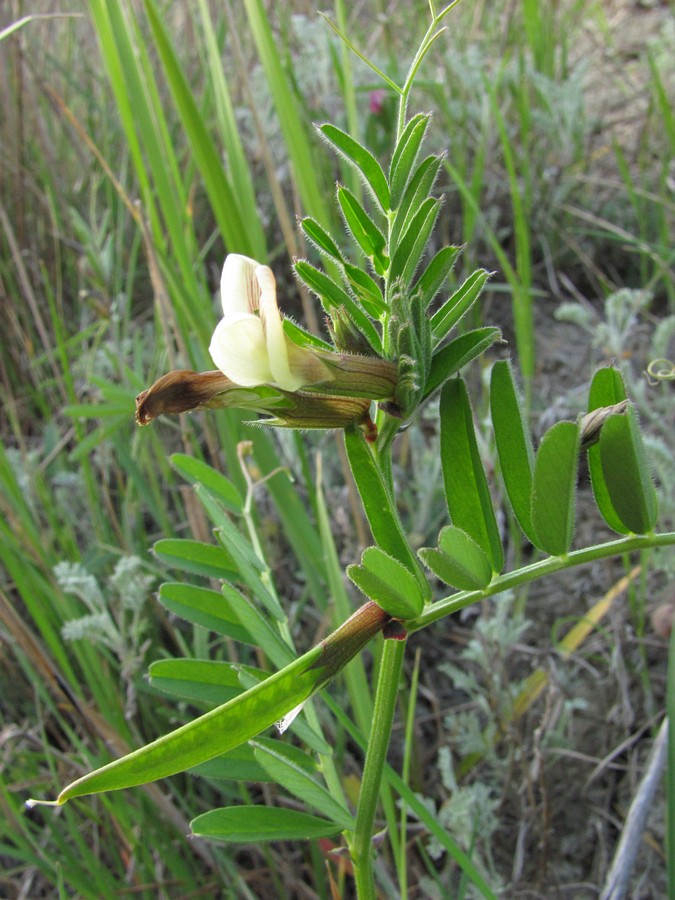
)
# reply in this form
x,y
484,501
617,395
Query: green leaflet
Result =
x,y
553,488
466,488
453,356
303,338
214,482
366,289
432,279
367,167
196,557
205,607
458,561
252,824
320,238
417,191
514,444
364,231
412,246
284,768
205,680
332,296
606,389
378,505
404,156
449,314
238,764
626,473
249,567
388,582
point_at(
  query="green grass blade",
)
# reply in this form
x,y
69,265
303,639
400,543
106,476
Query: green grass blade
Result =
x,y
300,152
284,769
232,223
240,174
355,673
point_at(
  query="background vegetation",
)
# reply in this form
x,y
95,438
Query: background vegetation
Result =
x,y
139,144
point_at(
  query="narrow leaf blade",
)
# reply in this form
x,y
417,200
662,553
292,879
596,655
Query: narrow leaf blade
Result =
x,y
362,228
409,252
216,483
204,607
404,156
204,680
432,279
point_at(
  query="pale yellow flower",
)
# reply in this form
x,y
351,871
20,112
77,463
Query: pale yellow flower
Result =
x,y
249,344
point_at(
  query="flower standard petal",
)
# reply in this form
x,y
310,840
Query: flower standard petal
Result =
x,y
239,290
275,339
238,349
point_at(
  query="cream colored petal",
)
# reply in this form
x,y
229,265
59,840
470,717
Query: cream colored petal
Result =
x,y
239,291
275,338
238,349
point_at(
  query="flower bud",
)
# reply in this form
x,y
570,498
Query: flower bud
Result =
x,y
346,334
592,422
358,376
305,410
181,391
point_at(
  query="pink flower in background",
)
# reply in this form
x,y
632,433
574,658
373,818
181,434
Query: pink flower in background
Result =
x,y
376,101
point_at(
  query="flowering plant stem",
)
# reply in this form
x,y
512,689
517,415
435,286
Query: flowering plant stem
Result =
x,y
361,845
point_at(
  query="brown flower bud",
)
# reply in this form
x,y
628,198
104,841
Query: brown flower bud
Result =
x,y
181,391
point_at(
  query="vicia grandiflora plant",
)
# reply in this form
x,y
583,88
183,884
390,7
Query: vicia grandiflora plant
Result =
x,y
390,320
